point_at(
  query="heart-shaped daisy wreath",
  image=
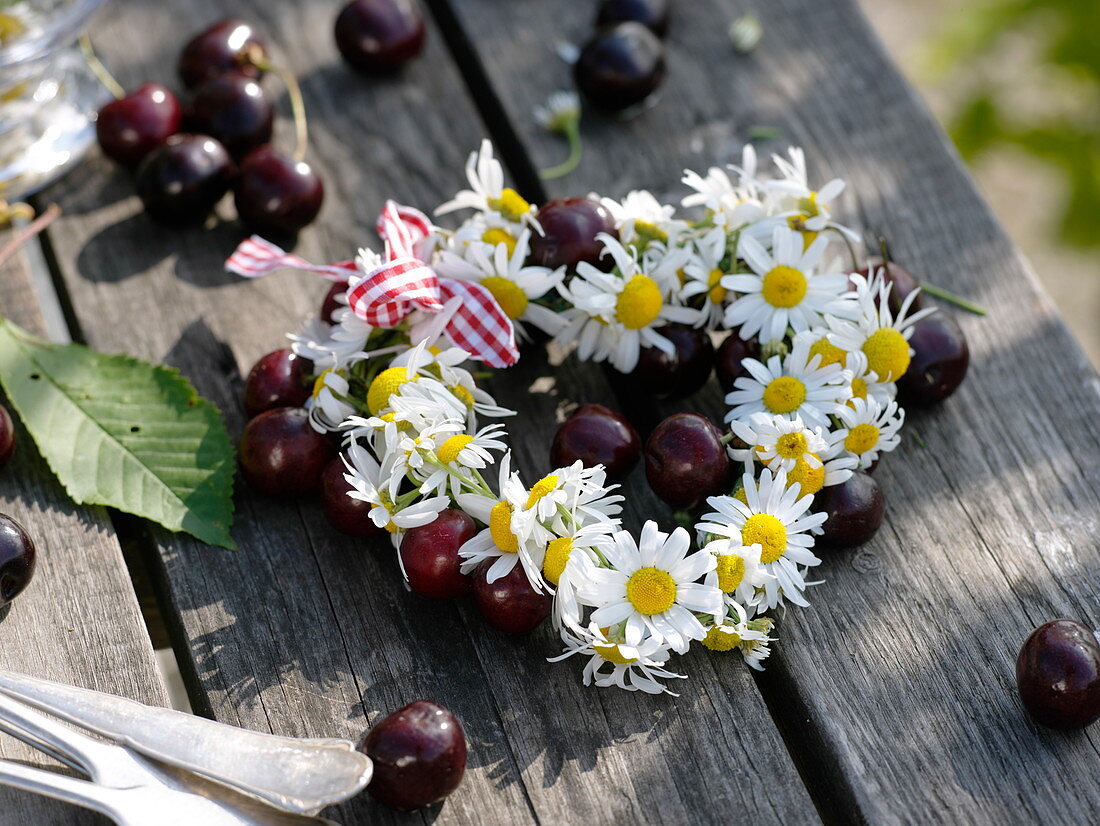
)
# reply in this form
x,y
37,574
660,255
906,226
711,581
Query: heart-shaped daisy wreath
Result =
x,y
818,404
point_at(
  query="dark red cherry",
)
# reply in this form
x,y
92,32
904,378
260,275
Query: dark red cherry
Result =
x,y
347,515
279,379
681,373
941,357
219,49
419,756
509,604
904,282
330,305
653,14
7,436
282,455
276,193
130,128
379,36
1058,675
17,559
597,435
685,460
233,109
620,67
730,356
569,230
429,555
854,510
180,182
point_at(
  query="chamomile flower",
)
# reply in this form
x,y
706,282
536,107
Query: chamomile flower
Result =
x,y
783,289
513,536
499,205
777,518
865,382
738,573
459,453
560,112
569,560
794,385
652,585
638,667
808,211
703,276
732,204
869,428
371,483
328,405
641,219
514,284
615,314
814,458
577,490
874,330
749,636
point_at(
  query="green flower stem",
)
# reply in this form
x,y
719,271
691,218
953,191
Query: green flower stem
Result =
x,y
572,132
952,298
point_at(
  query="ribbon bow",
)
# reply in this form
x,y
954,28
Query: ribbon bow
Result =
x,y
401,284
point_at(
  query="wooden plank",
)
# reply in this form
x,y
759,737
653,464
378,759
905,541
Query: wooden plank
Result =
x,y
78,621
304,631
896,689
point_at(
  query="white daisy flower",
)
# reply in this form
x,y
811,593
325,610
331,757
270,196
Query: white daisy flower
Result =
x,y
874,330
703,276
808,211
641,219
637,667
561,109
328,405
813,457
794,385
729,204
515,285
749,636
652,586
738,573
501,206
869,428
775,517
569,560
371,483
615,314
458,453
865,382
513,536
783,290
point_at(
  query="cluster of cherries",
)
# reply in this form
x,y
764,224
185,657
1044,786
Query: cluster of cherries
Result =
x,y
624,61
17,553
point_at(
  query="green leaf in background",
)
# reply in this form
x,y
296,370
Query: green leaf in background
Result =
x,y
120,432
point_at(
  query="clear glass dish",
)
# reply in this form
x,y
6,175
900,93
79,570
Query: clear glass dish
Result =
x,y
48,95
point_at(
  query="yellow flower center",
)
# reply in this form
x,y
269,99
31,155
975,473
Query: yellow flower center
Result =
x,y
716,293
385,384
861,438
731,570
464,395
740,495
887,354
769,533
510,297
500,528
649,232
809,479
791,445
10,28
829,352
784,286
497,236
639,303
392,528
651,591
449,450
784,394
319,384
557,555
719,640
859,388
510,204
541,488
612,655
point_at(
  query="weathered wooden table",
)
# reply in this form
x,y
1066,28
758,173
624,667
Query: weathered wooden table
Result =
x,y
891,700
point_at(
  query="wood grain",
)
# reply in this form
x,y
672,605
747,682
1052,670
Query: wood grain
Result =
x,y
896,689
306,632
78,621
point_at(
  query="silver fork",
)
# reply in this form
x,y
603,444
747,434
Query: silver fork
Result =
x,y
130,789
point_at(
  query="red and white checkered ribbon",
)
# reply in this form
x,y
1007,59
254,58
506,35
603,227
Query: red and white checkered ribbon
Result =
x,y
388,293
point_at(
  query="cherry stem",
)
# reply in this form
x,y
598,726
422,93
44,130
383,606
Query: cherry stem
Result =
x,y
952,298
255,56
24,234
572,132
98,69
726,438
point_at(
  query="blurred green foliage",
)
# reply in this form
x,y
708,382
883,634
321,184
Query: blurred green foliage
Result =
x,y
1052,47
